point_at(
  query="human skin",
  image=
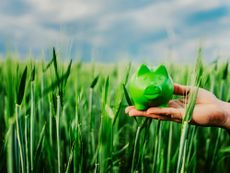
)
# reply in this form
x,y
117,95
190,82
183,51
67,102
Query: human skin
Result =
x,y
208,111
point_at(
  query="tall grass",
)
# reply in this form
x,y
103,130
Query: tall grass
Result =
x,y
70,118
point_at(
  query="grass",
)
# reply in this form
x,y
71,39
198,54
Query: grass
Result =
x,y
59,117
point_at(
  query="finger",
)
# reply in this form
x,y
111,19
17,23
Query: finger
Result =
x,y
134,112
169,111
160,117
127,109
181,89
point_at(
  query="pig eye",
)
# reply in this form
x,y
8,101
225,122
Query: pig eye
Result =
x,y
158,79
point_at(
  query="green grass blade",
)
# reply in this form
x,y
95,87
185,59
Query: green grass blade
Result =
x,y
19,138
22,85
40,144
55,63
94,82
32,78
127,96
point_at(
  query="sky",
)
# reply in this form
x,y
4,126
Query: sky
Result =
x,y
110,31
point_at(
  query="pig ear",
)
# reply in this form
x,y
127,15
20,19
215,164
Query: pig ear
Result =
x,y
142,70
152,91
161,70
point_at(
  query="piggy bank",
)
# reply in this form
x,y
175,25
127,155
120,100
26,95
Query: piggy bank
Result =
x,y
150,88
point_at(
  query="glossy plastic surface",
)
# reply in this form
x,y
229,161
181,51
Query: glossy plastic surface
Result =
x,y
149,88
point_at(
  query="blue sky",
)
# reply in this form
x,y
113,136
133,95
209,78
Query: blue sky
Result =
x,y
109,31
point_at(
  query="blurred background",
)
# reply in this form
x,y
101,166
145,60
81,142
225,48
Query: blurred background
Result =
x,y
110,31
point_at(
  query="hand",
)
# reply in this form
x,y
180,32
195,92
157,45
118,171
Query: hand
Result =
x,y
208,111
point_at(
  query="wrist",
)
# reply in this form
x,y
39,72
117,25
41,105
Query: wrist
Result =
x,y
226,109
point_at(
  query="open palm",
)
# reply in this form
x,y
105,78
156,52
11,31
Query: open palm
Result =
x,y
208,111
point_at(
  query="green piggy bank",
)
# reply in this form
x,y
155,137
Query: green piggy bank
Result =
x,y
149,88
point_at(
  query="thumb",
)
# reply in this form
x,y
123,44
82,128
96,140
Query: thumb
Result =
x,y
181,89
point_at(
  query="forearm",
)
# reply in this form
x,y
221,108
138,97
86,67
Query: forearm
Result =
x,y
226,109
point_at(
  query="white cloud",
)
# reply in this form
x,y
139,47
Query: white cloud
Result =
x,y
104,24
24,32
65,10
